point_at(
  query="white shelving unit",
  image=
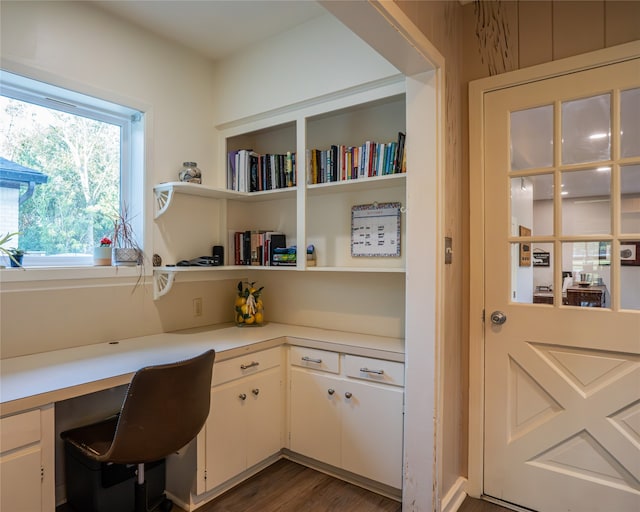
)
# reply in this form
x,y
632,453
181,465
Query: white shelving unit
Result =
x,y
318,214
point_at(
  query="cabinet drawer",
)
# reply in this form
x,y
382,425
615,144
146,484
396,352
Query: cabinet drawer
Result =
x,y
315,359
19,430
249,364
375,370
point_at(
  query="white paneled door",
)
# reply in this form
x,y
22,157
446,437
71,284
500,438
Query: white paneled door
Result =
x,y
562,296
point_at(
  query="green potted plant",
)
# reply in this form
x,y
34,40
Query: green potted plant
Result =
x,y
10,252
15,256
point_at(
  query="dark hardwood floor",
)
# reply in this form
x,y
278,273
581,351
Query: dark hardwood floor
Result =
x,y
289,487
286,486
474,505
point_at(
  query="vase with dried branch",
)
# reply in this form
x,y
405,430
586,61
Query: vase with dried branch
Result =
x,y
126,250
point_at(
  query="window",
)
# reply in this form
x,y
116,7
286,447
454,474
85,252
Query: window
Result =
x,y
69,164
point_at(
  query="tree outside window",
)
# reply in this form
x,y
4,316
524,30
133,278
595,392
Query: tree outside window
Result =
x,y
81,158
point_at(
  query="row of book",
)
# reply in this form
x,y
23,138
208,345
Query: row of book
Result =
x,y
256,247
248,171
339,163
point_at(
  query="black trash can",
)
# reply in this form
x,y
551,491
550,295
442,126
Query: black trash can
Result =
x,y
101,487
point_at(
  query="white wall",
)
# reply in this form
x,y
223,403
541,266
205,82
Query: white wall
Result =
x,y
316,58
78,46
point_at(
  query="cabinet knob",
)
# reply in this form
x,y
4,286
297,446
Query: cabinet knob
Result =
x,y
348,395
242,396
331,391
255,391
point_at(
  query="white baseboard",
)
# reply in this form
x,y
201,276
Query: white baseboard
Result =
x,y
454,497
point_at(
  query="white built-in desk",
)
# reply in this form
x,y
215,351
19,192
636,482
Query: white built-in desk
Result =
x,y
35,380
32,385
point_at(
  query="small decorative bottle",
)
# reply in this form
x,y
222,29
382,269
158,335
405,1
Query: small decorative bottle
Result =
x,y
190,173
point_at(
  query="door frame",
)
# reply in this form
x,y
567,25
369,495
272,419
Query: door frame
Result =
x,y
477,90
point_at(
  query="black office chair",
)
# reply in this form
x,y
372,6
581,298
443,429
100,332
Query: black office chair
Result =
x,y
164,409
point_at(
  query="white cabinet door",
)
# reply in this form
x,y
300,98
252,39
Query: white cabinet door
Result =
x,y
371,440
244,425
264,416
225,434
315,416
20,480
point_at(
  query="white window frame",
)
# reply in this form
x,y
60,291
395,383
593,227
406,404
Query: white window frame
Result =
x,y
131,122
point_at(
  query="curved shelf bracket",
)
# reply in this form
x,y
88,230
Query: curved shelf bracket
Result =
x,y
162,282
163,200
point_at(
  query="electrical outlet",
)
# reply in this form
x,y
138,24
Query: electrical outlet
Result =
x,y
197,306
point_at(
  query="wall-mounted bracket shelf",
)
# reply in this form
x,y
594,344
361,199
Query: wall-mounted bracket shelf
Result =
x,y
164,277
164,194
162,282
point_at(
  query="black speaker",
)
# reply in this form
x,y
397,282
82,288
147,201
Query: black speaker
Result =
x,y
218,255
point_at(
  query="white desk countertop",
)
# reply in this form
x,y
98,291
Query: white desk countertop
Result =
x,y
35,380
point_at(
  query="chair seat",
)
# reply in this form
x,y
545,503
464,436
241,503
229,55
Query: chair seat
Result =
x,y
93,440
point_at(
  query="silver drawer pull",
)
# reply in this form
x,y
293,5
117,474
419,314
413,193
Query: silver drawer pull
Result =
x,y
256,391
377,372
242,396
247,366
311,360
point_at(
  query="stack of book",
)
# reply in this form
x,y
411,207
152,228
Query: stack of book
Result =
x,y
339,163
288,256
255,247
248,171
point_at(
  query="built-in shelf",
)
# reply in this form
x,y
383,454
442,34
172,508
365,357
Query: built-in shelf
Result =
x,y
164,277
164,194
375,182
377,270
318,214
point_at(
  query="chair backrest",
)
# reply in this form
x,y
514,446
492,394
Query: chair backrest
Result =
x,y
164,409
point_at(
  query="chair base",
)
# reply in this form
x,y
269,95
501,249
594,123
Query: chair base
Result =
x,y
161,504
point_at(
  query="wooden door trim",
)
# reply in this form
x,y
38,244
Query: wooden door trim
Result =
x,y
477,90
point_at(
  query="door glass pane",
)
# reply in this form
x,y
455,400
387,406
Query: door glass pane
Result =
x,y
586,202
542,262
630,274
630,199
521,273
532,203
589,266
532,138
586,130
630,123
532,267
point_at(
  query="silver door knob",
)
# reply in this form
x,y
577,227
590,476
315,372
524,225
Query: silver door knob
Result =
x,y
498,318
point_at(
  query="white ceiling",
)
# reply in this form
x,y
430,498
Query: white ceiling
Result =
x,y
215,28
